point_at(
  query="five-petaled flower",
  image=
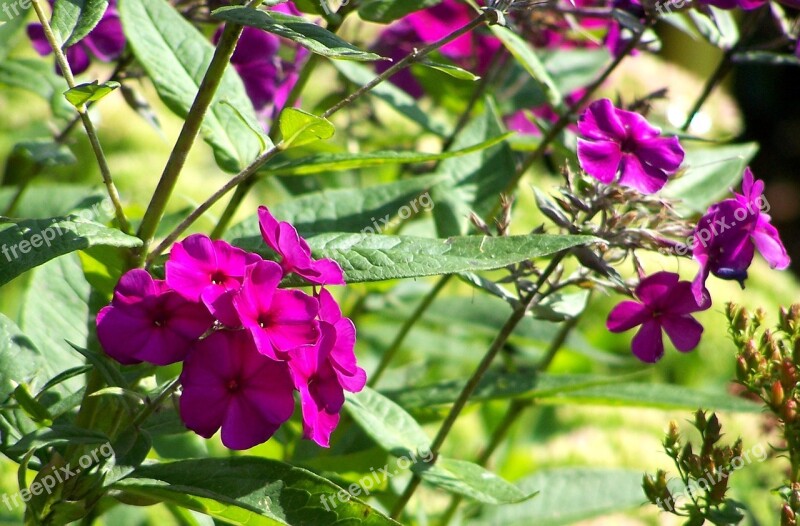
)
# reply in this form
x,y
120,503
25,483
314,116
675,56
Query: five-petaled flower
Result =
x,y
619,142
664,302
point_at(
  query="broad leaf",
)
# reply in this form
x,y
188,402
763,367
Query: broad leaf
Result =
x,y
569,495
331,162
74,19
526,56
37,76
299,127
251,491
659,396
473,183
309,35
472,481
388,424
710,174
342,210
29,243
43,201
55,310
57,435
367,257
92,92
385,11
20,360
176,56
398,99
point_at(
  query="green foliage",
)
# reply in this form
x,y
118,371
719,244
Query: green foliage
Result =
x,y
74,19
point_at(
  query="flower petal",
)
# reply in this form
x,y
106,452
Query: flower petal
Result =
x,y
600,159
769,244
664,153
626,316
684,331
643,177
648,344
601,121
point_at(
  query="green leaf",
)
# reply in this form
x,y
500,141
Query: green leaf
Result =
x,y
367,257
28,158
388,424
473,182
49,200
659,396
526,56
299,127
55,310
385,11
765,57
54,436
91,92
398,99
710,174
311,36
251,491
472,481
569,495
38,77
74,19
29,243
719,30
449,69
175,56
395,431
332,162
341,210
20,360
497,385
10,25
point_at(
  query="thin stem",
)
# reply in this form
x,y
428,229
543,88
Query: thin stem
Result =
x,y
461,402
515,409
406,328
91,132
191,128
156,403
262,159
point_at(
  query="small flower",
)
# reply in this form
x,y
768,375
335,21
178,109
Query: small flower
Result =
x,y
228,384
622,142
665,303
295,253
105,42
322,373
279,320
726,237
210,272
147,321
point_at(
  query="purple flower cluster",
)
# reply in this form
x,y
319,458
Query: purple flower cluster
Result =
x,y
621,146
246,344
105,42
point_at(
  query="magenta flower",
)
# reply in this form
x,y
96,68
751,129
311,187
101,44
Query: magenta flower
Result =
x,y
147,321
228,384
105,42
322,373
211,272
665,303
279,320
747,5
618,142
295,253
726,237
472,51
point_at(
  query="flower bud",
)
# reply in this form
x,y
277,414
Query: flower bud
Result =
x,y
777,396
790,412
787,516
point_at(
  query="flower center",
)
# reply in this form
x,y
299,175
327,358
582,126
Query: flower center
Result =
x,y
263,321
233,385
628,145
218,278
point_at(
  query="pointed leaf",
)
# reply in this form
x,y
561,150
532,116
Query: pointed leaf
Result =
x,y
74,19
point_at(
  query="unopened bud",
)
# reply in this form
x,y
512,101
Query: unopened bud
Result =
x,y
787,516
790,412
777,396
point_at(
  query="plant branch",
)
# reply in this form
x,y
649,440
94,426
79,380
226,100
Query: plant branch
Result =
x,y
91,132
262,159
500,340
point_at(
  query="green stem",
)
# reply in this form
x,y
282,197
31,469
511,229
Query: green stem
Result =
x,y
148,410
406,328
514,411
191,128
91,132
262,159
461,402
